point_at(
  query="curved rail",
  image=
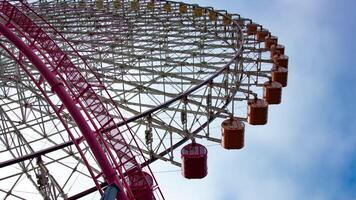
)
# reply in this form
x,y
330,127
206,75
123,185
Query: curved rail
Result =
x,y
186,94
190,91
205,82
58,88
62,66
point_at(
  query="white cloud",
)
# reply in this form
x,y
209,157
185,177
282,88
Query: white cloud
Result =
x,y
287,158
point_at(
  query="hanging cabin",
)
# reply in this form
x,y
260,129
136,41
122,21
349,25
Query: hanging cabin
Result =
x,y
194,161
257,112
233,133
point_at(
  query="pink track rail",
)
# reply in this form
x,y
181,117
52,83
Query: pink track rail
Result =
x,y
62,72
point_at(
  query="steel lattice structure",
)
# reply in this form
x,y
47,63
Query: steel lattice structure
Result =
x,y
143,77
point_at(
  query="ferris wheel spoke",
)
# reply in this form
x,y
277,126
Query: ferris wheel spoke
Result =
x,y
9,193
36,118
30,126
25,148
161,71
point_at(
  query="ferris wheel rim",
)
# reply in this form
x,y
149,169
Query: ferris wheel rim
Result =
x,y
58,87
186,93
190,91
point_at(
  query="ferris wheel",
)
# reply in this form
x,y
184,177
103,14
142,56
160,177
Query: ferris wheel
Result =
x,y
93,92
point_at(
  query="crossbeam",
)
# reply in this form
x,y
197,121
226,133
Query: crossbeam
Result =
x,y
35,154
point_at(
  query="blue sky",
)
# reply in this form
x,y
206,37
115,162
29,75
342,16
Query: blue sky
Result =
x,y
308,149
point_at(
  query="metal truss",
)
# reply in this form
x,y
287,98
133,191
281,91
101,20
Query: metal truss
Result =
x,y
170,68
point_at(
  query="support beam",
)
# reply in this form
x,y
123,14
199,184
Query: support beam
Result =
x,y
35,154
58,88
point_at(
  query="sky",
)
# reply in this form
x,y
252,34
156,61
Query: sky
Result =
x,y
308,148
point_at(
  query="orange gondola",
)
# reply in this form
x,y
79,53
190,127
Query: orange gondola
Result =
x,y
262,34
257,112
251,28
233,131
270,40
281,60
272,92
277,49
280,74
